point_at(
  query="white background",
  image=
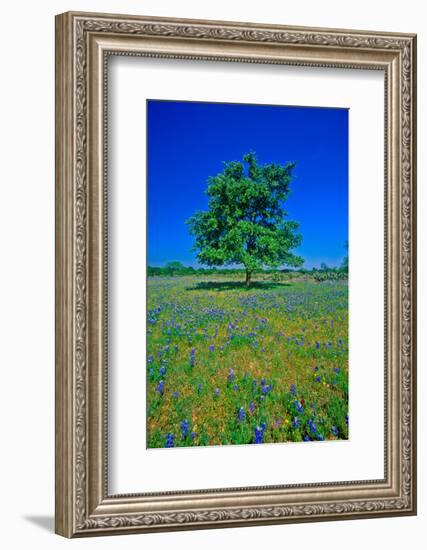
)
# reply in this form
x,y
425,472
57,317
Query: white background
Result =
x,y
133,468
27,274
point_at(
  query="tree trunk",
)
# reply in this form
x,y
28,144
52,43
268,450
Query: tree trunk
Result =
x,y
248,277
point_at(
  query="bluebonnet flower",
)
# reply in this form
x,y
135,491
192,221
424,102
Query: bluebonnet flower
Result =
x,y
192,353
184,428
293,390
312,426
262,398
259,435
211,347
296,422
307,438
266,389
264,426
346,421
317,345
170,440
320,437
236,387
298,406
336,370
251,407
162,371
216,392
160,387
241,415
193,435
150,359
231,375
334,430
318,378
262,381
175,394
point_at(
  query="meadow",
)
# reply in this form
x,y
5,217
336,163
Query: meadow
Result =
x,y
229,364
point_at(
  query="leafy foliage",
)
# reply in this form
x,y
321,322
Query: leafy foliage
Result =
x,y
245,223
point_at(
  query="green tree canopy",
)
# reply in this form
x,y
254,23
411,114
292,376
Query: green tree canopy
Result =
x,y
245,221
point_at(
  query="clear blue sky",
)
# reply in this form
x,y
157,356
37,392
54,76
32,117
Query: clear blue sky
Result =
x,y
188,141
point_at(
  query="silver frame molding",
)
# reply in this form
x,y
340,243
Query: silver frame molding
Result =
x,y
84,42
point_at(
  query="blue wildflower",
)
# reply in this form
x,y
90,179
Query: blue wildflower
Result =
x,y
262,381
298,406
293,390
334,430
266,389
264,426
211,347
296,422
241,415
216,392
336,370
162,371
193,435
251,407
192,354
312,426
307,438
320,437
317,345
259,435
160,387
170,440
318,379
150,359
231,375
175,394
236,387
184,428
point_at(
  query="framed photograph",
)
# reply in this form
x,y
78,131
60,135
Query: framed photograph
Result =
x,y
235,274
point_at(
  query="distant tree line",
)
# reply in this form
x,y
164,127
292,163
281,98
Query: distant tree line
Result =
x,y
324,273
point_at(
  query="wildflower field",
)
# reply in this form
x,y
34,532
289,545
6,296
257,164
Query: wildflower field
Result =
x,y
229,364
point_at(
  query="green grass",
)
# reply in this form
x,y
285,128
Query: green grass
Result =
x,y
284,345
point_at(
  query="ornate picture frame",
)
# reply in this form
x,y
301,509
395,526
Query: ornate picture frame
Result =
x,y
84,42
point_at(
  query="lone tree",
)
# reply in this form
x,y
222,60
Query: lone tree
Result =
x,y
245,223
